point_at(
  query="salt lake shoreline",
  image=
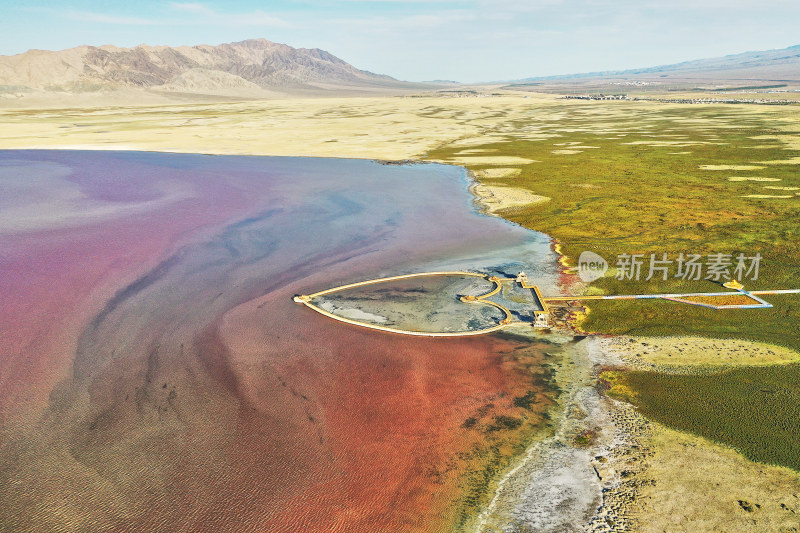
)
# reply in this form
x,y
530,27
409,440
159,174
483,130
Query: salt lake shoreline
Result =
x,y
599,498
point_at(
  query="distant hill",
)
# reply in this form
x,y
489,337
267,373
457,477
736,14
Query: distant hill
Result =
x,y
251,68
770,66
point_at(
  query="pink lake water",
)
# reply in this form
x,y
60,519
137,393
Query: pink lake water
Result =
x,y
155,374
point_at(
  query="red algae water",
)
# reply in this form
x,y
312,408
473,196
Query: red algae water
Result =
x,y
155,374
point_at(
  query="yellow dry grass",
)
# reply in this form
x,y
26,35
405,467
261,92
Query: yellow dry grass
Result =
x,y
731,167
670,143
497,173
694,351
497,198
744,178
702,486
367,127
494,160
791,161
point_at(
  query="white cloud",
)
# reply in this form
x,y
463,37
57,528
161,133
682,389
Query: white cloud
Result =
x,y
95,17
406,1
203,14
104,18
184,14
191,7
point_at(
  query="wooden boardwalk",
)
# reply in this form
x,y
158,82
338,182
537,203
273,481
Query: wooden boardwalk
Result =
x,y
507,320
759,303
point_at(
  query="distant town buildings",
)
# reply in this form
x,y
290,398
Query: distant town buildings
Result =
x,y
761,101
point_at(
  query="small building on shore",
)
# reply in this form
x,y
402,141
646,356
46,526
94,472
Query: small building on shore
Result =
x,y
541,316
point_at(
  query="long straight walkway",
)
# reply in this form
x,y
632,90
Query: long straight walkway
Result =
x,y
681,298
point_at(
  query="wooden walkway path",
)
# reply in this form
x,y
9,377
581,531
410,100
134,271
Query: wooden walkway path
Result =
x,y
507,320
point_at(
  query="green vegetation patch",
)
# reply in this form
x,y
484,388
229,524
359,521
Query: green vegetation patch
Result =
x,y
753,409
748,88
641,178
586,438
14,89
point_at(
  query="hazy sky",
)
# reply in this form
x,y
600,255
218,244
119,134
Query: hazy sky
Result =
x,y
464,40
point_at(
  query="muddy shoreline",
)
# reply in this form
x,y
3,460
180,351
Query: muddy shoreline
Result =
x,y
576,476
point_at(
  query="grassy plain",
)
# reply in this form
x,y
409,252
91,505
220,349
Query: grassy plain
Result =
x,y
754,409
631,179
680,180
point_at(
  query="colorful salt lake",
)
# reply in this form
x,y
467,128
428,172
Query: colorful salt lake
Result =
x,y
155,374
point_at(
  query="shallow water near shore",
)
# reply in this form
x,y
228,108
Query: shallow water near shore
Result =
x,y
159,376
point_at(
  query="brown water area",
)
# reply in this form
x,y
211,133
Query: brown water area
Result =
x,y
155,374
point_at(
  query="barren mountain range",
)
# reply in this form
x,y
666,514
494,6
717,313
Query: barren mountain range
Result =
x,y
251,68
765,68
258,68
